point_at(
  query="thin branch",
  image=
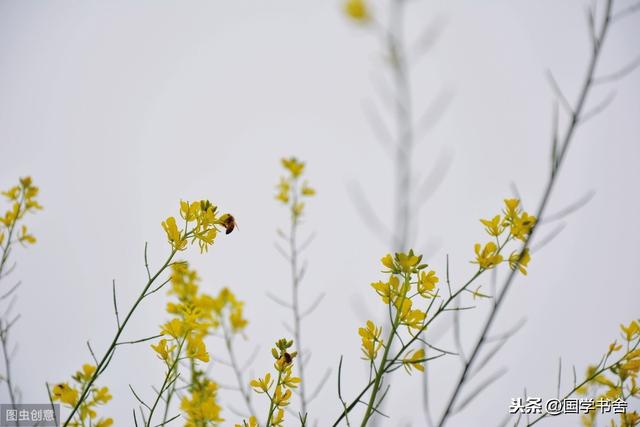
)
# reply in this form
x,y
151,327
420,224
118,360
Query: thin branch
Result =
x,y
313,306
571,208
367,213
558,92
115,303
479,389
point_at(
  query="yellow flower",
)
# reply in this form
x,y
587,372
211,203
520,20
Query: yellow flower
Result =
x,y
521,262
65,394
262,385
522,225
238,322
13,194
174,235
290,381
631,331
407,262
201,407
387,261
414,360
357,10
307,191
371,342
102,395
614,346
493,226
189,211
511,210
297,209
196,349
427,283
294,166
24,236
281,398
414,319
162,349
253,422
175,328
86,373
487,257
107,422
278,418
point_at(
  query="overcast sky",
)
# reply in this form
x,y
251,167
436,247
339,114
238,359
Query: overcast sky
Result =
x,y
119,109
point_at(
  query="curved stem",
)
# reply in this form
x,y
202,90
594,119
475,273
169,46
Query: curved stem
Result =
x,y
586,86
106,358
168,379
236,369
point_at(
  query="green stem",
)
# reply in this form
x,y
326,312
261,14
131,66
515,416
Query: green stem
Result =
x,y
167,379
382,366
105,360
272,406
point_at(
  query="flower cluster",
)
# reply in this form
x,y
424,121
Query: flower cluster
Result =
x,y
409,283
22,198
619,380
195,316
512,224
201,224
278,391
201,406
290,191
68,395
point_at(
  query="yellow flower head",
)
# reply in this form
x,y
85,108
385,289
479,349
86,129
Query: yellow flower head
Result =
x,y
357,10
174,235
520,261
262,385
371,342
408,261
307,191
85,373
64,393
493,226
427,283
101,395
163,349
414,360
487,257
175,328
196,348
294,166
387,261
632,331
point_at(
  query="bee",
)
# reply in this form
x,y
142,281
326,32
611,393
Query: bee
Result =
x,y
229,223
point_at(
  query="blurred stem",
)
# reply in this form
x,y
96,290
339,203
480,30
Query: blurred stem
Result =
x,y
568,136
4,340
4,330
295,286
236,369
404,128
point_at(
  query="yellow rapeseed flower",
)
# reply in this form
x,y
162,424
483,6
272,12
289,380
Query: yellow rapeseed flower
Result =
x,y
414,360
357,10
371,342
487,257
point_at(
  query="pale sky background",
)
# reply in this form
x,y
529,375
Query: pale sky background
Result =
x,y
120,109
